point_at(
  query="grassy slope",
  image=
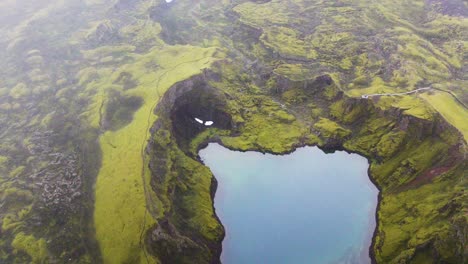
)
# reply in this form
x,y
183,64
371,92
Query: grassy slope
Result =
x,y
446,105
120,187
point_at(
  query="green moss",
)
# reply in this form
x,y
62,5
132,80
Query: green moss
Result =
x,y
262,126
120,186
294,96
197,195
17,171
3,161
408,218
61,82
346,64
330,129
377,86
453,112
337,109
283,116
87,75
286,42
390,143
35,248
257,15
18,204
106,51
20,91
330,92
259,132
315,111
423,205
411,161
10,222
203,136
347,114
295,72
415,107
143,32
16,193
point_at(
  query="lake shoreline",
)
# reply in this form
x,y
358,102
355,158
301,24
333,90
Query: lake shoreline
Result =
x,y
325,148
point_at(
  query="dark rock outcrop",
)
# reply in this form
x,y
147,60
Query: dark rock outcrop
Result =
x,y
173,240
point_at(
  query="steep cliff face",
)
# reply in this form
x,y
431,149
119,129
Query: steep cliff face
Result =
x,y
189,231
411,159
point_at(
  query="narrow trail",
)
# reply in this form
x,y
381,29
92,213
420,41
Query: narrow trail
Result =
x,y
454,96
365,96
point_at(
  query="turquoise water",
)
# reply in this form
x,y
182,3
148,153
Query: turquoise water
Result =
x,y
304,207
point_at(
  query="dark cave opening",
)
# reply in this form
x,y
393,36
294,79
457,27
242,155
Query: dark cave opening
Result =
x,y
201,108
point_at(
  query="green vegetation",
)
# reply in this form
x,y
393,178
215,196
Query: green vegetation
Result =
x,y
416,220
120,186
330,129
451,110
414,106
259,131
296,72
19,91
36,249
285,41
81,82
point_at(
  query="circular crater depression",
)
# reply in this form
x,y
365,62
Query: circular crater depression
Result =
x,y
304,207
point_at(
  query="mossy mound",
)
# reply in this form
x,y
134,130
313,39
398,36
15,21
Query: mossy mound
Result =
x,y
36,249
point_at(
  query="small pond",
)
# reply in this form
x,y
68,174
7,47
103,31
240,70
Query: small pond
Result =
x,y
304,207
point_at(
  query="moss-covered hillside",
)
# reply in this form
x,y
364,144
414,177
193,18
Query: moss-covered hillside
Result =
x,y
98,154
